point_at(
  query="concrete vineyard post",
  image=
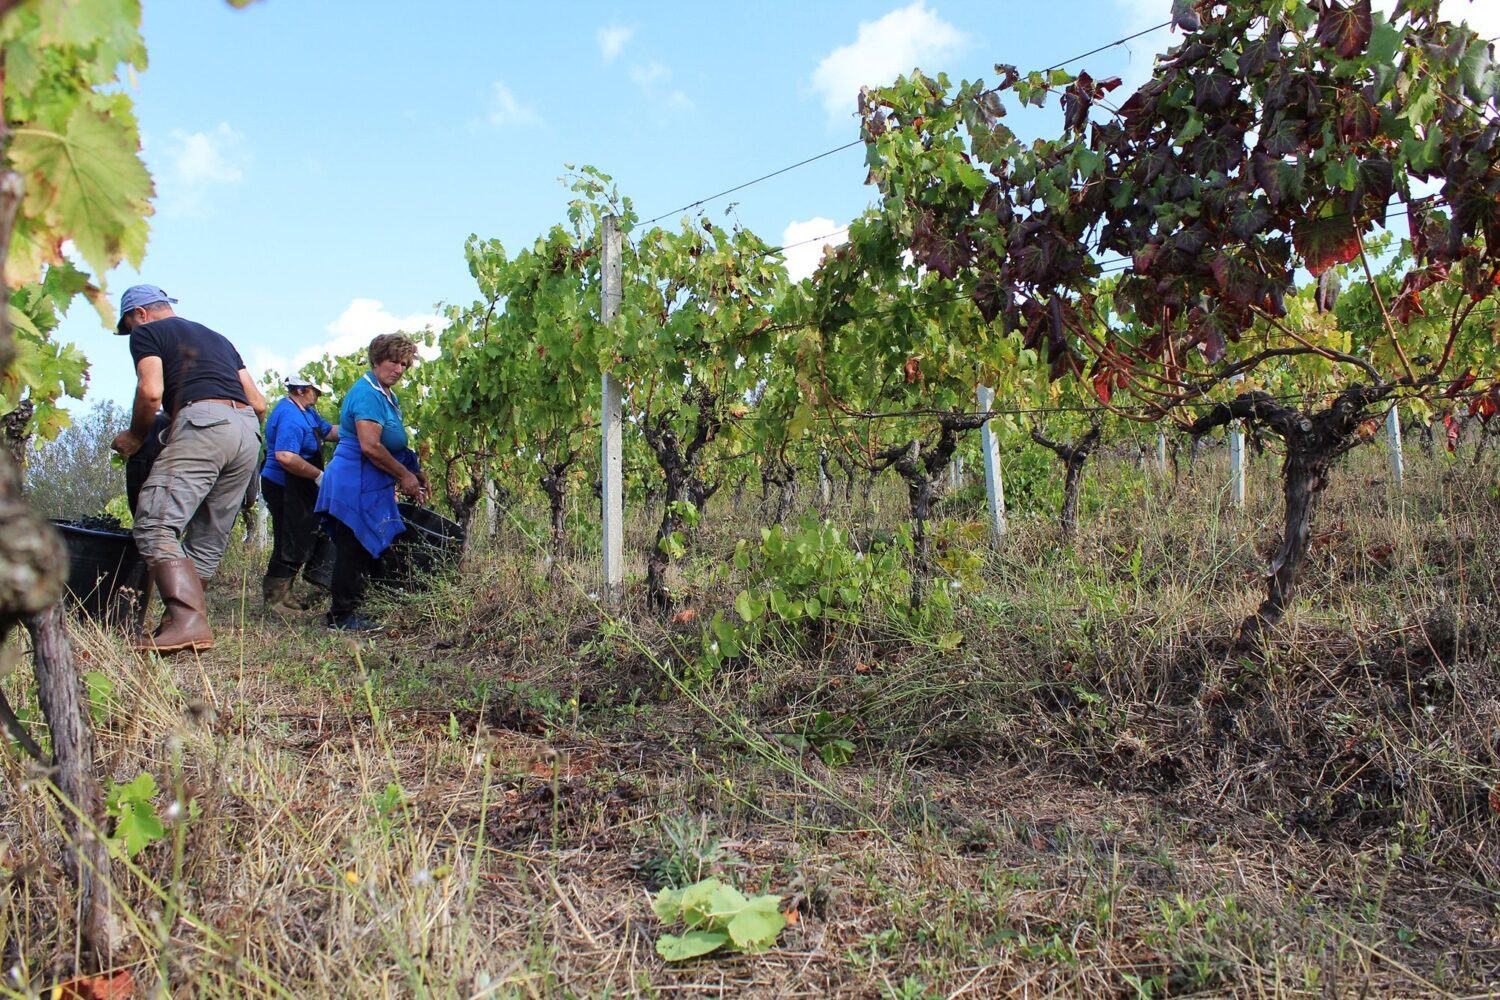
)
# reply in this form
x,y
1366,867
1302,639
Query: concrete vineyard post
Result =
x,y
825,486
262,524
1393,435
1161,452
611,467
994,487
1237,469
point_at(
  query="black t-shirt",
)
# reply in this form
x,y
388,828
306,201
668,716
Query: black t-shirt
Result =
x,y
196,362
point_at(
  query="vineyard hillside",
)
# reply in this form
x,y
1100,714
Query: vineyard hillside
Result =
x,y
1066,788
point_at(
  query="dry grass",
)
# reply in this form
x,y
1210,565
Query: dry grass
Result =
x,y
1089,796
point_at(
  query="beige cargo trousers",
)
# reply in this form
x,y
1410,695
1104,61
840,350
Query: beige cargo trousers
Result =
x,y
194,492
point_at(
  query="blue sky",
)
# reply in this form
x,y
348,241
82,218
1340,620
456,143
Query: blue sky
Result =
x,y
320,164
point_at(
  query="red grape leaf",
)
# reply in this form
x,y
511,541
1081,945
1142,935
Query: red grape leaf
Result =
x,y
1325,241
1347,29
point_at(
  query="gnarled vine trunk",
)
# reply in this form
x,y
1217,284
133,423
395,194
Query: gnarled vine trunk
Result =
x,y
554,483
782,475
1313,442
679,462
922,469
463,503
849,468
60,692
1074,458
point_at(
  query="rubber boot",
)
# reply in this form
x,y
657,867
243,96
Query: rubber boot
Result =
x,y
185,620
276,591
166,609
314,599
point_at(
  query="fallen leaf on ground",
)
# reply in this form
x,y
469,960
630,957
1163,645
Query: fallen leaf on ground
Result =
x,y
119,986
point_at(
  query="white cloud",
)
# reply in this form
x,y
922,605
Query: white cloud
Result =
x,y
655,81
206,157
612,41
650,74
197,164
805,242
361,321
883,50
507,109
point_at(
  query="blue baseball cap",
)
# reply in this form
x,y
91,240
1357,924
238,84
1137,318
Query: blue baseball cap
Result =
x,y
136,296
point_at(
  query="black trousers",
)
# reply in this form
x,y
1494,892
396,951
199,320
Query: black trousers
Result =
x,y
294,524
352,566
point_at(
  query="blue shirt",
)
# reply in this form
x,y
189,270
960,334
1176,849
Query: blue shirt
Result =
x,y
354,491
291,428
367,400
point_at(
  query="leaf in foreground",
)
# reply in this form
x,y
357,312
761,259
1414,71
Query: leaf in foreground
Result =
x,y
755,927
690,945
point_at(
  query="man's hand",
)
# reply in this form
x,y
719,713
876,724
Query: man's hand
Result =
x,y
127,444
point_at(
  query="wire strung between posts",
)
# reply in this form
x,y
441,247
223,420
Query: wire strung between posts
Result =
x,y
860,141
841,231
764,177
849,145
1104,48
1142,411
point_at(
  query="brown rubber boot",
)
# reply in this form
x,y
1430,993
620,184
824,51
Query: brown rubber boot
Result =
x,y
314,599
166,609
276,591
185,620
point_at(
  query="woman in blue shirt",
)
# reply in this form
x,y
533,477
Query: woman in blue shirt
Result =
x,y
294,435
372,462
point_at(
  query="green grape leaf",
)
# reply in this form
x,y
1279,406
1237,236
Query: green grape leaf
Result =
x,y
108,27
728,637
667,905
136,822
674,948
756,927
142,789
88,182
747,607
1475,70
703,902
138,827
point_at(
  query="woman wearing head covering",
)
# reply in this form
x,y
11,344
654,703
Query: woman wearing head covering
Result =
x,y
295,433
372,462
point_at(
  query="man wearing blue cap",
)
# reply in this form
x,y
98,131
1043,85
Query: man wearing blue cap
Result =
x,y
189,501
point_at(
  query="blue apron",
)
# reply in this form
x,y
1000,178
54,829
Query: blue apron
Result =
x,y
361,496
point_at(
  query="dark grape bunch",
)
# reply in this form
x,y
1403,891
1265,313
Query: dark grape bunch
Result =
x,y
106,523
